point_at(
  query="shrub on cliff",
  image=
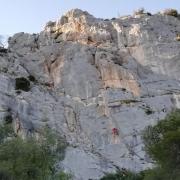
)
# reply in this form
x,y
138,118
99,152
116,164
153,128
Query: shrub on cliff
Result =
x,y
123,175
22,84
171,12
139,11
30,159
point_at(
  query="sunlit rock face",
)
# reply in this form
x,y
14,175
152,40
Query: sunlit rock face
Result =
x,y
88,76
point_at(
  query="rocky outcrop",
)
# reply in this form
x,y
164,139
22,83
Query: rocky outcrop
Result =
x,y
88,76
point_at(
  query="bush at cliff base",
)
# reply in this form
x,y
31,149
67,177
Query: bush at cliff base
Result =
x,y
30,159
162,143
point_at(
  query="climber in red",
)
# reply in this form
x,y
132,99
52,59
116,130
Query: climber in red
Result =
x,y
115,131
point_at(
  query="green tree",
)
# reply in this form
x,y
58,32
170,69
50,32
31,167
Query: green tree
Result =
x,y
162,142
31,158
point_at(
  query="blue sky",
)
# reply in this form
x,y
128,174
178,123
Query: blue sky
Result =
x,y
31,15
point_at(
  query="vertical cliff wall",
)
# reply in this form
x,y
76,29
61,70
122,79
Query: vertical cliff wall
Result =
x,y
88,76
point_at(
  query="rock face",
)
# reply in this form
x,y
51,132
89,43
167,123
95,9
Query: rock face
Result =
x,y
88,76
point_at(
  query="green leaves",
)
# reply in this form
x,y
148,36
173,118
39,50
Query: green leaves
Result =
x,y
123,175
29,159
162,143
6,131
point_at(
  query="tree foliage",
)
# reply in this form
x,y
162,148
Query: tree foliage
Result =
x,y
171,12
31,158
123,175
162,143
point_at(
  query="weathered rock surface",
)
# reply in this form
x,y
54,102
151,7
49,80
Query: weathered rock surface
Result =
x,y
89,76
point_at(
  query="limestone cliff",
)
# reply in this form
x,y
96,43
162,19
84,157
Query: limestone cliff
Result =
x,y
88,76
